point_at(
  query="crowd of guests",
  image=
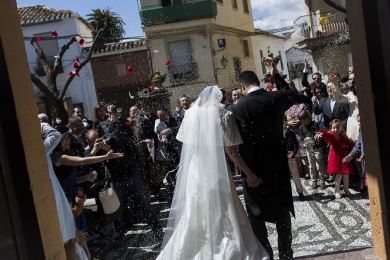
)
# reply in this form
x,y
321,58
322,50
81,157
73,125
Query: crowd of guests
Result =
x,y
321,130
136,153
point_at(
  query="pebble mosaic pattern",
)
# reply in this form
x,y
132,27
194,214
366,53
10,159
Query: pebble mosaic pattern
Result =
x,y
322,226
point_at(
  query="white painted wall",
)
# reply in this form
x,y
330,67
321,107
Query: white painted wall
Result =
x,y
295,55
82,89
275,44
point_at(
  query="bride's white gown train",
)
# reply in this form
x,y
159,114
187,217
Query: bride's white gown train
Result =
x,y
207,219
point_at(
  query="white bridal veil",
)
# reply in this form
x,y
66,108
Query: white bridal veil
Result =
x,y
203,222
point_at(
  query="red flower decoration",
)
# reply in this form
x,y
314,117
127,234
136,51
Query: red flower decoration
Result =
x,y
39,38
152,87
140,80
73,72
149,58
81,41
127,123
129,70
167,62
54,71
75,65
54,34
76,59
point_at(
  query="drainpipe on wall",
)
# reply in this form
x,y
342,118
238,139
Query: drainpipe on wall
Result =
x,y
213,58
150,61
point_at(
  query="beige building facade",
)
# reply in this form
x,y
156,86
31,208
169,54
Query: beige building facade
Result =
x,y
204,47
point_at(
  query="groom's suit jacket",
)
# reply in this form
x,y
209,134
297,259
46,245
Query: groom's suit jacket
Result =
x,y
260,120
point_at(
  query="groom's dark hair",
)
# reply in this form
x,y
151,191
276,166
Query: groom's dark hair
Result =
x,y
248,78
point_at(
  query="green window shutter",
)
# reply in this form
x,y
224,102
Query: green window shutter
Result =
x,y
262,63
281,61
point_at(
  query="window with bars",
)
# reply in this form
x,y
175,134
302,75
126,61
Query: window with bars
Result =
x,y
262,63
246,6
281,60
245,46
183,68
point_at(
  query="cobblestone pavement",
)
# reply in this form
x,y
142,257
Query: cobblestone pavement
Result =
x,y
322,226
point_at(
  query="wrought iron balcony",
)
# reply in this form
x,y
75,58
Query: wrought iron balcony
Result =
x,y
190,10
321,25
183,72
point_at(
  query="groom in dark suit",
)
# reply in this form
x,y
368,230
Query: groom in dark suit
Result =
x,y
260,120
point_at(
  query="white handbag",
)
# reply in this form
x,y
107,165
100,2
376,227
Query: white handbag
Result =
x,y
109,201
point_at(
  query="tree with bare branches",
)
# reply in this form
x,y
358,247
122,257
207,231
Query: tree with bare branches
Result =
x,y
50,91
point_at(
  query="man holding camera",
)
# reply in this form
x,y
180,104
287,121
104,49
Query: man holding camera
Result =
x,y
126,180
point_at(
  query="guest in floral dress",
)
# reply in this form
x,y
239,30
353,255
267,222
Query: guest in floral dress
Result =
x,y
293,123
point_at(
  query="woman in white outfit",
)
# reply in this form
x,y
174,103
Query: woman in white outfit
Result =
x,y
207,220
51,138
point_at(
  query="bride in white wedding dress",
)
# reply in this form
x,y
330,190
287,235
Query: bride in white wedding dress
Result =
x,y
207,220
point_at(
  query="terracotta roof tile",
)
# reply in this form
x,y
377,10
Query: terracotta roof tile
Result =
x,y
40,14
118,46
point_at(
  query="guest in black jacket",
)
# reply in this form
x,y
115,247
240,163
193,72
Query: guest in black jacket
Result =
x,y
331,109
309,88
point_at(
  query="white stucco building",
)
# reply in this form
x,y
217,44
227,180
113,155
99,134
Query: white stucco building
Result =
x,y
40,20
264,43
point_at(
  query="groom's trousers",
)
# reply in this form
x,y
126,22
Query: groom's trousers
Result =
x,y
283,227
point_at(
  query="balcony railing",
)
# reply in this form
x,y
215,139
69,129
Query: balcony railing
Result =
x,y
321,25
183,72
189,10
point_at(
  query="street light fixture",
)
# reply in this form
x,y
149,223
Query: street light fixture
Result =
x,y
224,62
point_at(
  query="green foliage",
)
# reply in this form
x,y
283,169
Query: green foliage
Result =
x,y
99,19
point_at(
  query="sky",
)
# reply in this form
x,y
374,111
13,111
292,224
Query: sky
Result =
x,y
268,14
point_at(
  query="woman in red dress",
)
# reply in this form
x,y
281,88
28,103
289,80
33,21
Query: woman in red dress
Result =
x,y
341,145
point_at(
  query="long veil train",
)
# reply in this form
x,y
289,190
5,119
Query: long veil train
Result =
x,y
207,219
